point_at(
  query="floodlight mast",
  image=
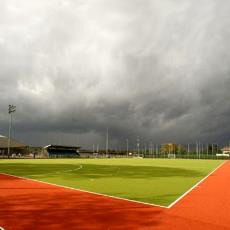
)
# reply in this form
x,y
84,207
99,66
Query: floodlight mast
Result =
x,y
11,110
107,142
97,148
127,147
138,147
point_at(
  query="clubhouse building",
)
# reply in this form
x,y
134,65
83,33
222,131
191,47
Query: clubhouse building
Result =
x,y
16,147
226,150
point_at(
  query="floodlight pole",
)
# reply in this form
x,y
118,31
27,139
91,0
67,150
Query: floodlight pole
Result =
x,y
127,147
9,136
11,110
97,148
107,142
197,149
138,147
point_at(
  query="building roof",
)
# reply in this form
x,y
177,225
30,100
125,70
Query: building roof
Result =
x,y
226,148
13,144
64,147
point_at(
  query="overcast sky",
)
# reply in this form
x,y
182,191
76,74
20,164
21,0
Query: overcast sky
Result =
x,y
154,69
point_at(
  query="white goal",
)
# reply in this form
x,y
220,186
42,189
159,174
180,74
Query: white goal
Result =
x,y
171,156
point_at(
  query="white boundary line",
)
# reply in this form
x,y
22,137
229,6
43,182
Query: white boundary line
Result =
x,y
120,198
56,172
85,191
193,187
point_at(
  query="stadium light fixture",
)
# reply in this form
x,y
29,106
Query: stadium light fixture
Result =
x,y
11,110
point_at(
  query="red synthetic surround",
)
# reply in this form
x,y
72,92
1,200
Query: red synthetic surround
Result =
x,y
30,205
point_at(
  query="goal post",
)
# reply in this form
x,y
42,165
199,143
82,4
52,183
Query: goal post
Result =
x,y
171,156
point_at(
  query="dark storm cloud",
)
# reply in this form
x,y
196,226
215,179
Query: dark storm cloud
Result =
x,y
157,70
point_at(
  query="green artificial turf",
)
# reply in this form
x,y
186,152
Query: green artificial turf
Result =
x,y
156,181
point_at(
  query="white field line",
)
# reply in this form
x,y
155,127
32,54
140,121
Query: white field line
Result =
x,y
193,187
63,171
71,170
85,191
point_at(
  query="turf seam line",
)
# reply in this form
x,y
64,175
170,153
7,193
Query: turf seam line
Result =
x,y
193,187
85,191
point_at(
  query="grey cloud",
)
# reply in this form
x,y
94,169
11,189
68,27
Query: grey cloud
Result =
x,y
158,70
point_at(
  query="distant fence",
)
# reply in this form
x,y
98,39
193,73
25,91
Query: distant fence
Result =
x,y
103,155
190,156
